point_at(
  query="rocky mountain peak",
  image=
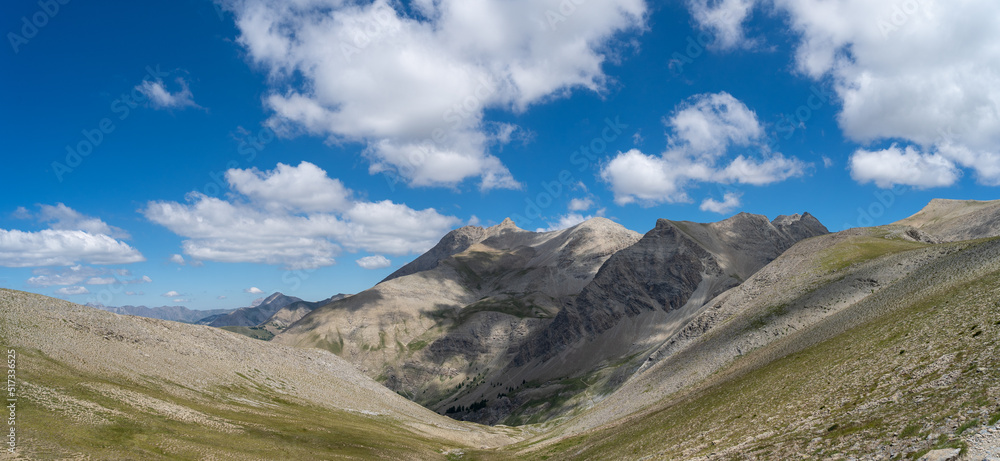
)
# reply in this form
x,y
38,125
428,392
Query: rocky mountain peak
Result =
x,y
506,226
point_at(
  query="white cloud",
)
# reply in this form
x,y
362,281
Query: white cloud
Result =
x,y
827,162
62,217
180,300
374,262
565,221
273,228
73,291
303,188
724,19
710,123
161,98
221,297
705,129
580,204
923,72
730,201
177,259
100,281
170,294
71,238
253,290
62,248
79,274
413,88
909,167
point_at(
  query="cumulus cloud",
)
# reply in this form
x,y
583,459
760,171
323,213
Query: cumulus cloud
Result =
x,y
170,294
161,98
908,167
730,201
922,72
724,19
413,87
73,291
374,262
272,227
177,259
62,217
303,188
705,129
581,204
62,247
253,290
71,238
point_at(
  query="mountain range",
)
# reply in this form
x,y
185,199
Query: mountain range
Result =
x,y
745,338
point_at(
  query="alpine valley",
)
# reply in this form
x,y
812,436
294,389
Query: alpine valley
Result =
x,y
747,338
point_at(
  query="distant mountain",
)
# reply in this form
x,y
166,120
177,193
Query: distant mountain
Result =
x,y
641,297
291,313
436,325
172,313
253,315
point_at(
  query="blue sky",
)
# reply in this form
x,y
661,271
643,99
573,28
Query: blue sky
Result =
x,y
205,154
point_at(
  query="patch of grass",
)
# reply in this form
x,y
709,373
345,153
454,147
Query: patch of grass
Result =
x,y
416,344
910,430
966,425
510,306
254,332
769,314
862,249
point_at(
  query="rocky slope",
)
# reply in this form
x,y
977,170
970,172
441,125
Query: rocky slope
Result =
x,y
641,297
252,316
96,385
435,333
956,220
868,343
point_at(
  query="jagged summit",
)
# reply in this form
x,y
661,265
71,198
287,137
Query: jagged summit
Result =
x,y
506,224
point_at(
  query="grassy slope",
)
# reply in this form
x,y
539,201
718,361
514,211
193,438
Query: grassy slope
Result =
x,y
922,368
279,429
252,332
68,409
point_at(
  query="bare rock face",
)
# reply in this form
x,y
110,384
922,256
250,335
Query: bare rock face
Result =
x,y
639,298
661,273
